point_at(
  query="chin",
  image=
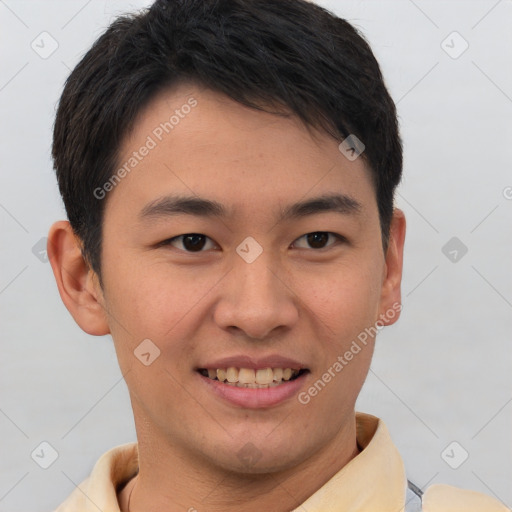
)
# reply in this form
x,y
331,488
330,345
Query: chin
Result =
x,y
255,457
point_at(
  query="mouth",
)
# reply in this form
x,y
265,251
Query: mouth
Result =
x,y
260,386
247,382
253,378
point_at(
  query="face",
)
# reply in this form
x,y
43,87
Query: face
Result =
x,y
241,246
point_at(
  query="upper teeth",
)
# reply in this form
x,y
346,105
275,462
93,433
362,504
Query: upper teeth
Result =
x,y
251,376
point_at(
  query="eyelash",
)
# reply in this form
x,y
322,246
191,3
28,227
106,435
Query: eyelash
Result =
x,y
339,238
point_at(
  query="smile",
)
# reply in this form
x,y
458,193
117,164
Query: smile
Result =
x,y
252,378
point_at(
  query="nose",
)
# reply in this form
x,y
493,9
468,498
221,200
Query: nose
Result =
x,y
256,299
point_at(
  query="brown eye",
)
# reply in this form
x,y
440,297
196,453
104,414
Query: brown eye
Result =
x,y
319,239
190,242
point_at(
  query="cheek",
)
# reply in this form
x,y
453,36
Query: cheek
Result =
x,y
150,302
345,307
152,298
345,300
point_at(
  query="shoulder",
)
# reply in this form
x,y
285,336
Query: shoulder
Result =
x,y
99,490
445,498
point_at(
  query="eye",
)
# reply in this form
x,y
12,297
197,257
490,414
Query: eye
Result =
x,y
190,242
319,239
196,242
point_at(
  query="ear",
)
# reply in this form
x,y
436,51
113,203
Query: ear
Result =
x,y
391,297
78,284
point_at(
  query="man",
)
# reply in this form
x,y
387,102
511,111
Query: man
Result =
x,y
228,170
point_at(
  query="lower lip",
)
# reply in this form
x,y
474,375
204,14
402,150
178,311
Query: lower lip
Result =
x,y
254,398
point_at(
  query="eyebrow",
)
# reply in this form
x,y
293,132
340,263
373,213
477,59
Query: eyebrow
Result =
x,y
172,205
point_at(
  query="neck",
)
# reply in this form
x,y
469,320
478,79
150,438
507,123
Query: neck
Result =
x,y
170,481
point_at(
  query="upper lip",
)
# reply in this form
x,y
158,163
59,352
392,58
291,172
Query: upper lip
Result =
x,y
244,361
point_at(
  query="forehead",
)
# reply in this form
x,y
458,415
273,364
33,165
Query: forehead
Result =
x,y
193,141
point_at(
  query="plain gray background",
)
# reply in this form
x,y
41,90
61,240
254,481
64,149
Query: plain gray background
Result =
x,y
439,376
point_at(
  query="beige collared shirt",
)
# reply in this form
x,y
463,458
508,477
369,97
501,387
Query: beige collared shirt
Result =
x,y
373,481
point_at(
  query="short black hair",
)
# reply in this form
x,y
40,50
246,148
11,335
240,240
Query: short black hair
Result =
x,y
265,54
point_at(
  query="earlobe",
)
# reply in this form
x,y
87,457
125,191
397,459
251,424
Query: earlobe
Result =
x,y
77,283
390,303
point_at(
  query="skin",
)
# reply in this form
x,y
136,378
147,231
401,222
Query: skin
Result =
x,y
294,300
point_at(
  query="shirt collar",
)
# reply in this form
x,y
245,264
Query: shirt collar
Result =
x,y
373,480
